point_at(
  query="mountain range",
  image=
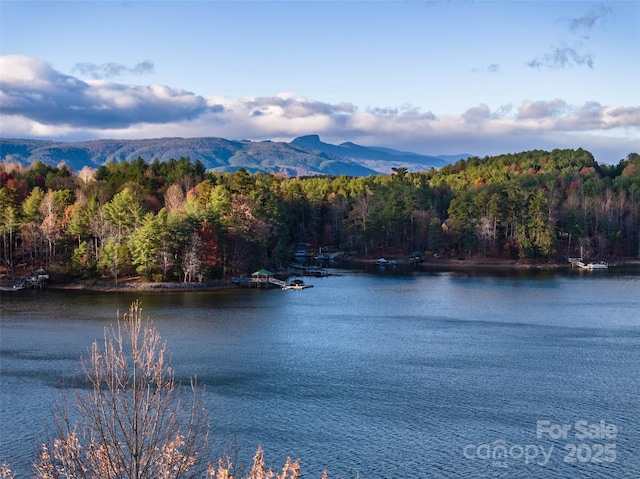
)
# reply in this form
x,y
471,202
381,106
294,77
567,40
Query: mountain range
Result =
x,y
306,155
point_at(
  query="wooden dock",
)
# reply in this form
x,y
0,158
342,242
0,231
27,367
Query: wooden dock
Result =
x,y
260,279
36,280
302,270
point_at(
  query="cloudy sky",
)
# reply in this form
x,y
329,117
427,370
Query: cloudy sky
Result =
x,y
435,77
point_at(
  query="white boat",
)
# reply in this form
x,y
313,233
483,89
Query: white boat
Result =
x,y
598,265
11,288
385,262
297,284
590,266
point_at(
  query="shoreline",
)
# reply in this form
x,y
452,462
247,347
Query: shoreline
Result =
x,y
132,284
129,285
492,263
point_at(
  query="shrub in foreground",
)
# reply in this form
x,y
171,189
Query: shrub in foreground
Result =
x,y
131,420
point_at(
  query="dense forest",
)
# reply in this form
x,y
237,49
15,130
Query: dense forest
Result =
x,y
174,221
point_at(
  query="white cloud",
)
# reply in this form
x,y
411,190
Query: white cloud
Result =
x,y
33,89
38,101
112,69
561,57
624,116
477,114
597,14
574,53
542,109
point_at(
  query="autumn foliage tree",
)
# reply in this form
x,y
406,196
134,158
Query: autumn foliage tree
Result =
x,y
210,251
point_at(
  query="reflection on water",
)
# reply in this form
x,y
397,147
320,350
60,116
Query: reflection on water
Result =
x,y
368,375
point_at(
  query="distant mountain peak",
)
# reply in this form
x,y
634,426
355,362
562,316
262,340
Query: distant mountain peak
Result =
x,y
377,158
307,138
309,141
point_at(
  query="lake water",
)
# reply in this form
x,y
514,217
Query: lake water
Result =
x,y
374,374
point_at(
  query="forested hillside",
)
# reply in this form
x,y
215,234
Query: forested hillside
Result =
x,y
173,221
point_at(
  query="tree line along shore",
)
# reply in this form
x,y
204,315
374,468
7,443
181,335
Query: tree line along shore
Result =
x,y
174,222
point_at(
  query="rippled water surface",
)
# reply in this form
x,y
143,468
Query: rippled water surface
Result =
x,y
417,375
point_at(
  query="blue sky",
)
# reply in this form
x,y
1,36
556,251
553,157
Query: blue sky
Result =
x,y
479,77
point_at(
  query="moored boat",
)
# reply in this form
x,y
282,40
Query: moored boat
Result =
x,y
297,284
597,265
590,266
15,287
